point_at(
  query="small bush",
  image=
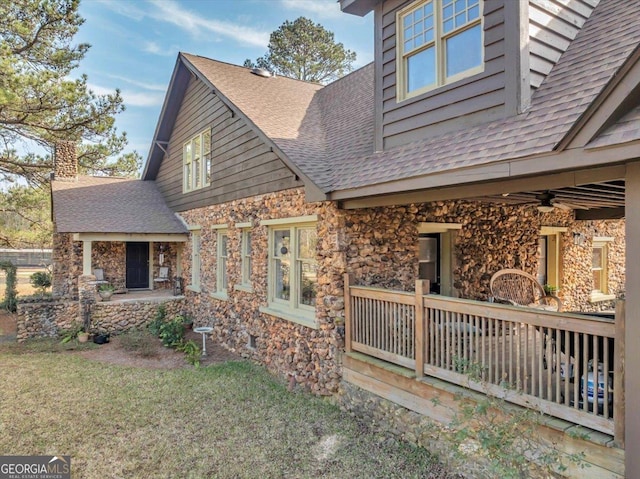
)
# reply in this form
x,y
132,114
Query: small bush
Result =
x,y
172,332
191,351
41,280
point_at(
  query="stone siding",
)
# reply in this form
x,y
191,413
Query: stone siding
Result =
x,y
120,316
379,247
65,165
67,265
50,318
307,355
45,319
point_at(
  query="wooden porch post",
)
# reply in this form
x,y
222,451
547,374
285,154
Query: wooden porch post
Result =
x,y
618,377
632,323
86,258
348,280
422,288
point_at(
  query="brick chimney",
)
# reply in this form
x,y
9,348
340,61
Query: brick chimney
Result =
x,y
65,161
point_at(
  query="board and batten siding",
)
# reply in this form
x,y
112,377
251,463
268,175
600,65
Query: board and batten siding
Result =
x,y
242,164
553,24
455,106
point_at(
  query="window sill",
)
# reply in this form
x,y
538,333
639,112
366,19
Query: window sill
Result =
x,y
598,297
297,317
222,296
242,287
195,289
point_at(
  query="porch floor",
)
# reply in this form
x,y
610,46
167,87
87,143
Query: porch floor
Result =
x,y
141,295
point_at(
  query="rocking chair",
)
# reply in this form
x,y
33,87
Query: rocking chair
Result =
x,y
519,288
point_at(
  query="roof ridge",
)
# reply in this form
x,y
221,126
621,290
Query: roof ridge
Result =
x,y
275,75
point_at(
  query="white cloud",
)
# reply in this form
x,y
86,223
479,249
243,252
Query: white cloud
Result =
x,y
146,86
317,8
125,9
142,99
130,98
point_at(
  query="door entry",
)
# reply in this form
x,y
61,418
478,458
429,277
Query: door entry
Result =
x,y
429,260
137,265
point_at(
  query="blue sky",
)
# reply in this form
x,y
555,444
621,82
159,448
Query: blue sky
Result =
x,y
134,44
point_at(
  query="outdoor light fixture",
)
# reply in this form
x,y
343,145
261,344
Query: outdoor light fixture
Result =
x,y
545,206
578,239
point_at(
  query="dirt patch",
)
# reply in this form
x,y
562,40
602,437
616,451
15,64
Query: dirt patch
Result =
x,y
8,327
159,356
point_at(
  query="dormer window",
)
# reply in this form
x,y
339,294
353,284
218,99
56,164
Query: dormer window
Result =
x,y
439,42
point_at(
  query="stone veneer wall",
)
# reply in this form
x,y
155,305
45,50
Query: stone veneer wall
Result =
x,y
383,248
108,255
111,256
67,265
379,246
170,251
290,349
48,319
65,165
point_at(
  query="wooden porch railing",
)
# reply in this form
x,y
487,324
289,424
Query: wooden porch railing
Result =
x,y
561,364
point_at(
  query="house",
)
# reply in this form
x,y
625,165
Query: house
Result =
x,y
485,135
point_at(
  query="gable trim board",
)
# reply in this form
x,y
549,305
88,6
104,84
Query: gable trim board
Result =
x,y
609,106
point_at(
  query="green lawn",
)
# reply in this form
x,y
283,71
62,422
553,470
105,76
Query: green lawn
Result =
x,y
226,421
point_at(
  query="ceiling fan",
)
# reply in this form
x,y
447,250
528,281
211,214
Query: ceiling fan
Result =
x,y
548,202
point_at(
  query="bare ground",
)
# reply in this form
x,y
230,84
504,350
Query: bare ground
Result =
x,y
158,357
161,357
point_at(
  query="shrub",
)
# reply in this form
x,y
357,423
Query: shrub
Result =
x,y
172,332
191,351
10,301
41,280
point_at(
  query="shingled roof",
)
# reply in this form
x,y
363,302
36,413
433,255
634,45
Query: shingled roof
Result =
x,y
605,42
314,126
112,205
326,134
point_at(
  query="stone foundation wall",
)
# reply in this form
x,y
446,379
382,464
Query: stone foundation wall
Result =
x,y
289,349
50,318
46,319
118,317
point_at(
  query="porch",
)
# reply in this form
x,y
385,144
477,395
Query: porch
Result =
x,y
420,351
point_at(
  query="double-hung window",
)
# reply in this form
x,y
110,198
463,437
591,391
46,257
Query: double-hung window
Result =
x,y
195,259
196,161
245,244
438,42
600,269
293,270
221,263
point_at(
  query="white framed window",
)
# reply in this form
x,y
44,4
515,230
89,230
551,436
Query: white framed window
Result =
x,y
599,269
245,248
221,262
293,272
438,42
196,160
195,260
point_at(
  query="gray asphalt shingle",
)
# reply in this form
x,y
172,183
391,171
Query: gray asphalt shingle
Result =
x,y
112,205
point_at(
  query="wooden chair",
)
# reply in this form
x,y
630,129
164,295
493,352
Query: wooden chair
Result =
x,y
99,274
163,275
519,288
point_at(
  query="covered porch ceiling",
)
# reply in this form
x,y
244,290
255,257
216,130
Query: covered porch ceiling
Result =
x,y
608,197
591,193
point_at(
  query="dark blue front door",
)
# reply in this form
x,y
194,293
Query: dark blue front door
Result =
x,y
137,265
